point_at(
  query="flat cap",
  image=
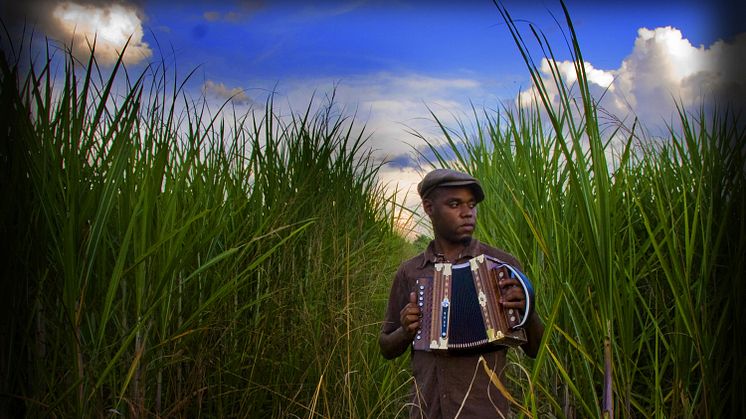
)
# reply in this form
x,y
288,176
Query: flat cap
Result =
x,y
446,177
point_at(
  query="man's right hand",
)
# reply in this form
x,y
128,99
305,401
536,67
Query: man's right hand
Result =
x,y
396,342
410,316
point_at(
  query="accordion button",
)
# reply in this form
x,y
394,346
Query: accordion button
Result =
x,y
422,287
421,304
512,318
510,311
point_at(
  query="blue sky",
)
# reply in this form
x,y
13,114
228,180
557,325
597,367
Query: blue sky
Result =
x,y
284,40
393,61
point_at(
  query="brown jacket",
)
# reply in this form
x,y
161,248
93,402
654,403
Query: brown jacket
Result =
x,y
445,385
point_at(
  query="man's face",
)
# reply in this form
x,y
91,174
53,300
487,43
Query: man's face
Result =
x,y
453,212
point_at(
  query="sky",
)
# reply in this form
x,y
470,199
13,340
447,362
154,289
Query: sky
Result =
x,y
391,62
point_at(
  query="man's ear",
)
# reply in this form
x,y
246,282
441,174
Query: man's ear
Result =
x,y
427,205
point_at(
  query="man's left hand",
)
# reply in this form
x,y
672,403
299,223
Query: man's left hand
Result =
x,y
512,294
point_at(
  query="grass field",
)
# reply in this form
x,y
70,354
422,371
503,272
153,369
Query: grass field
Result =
x,y
636,244
163,263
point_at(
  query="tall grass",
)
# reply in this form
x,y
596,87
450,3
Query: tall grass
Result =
x,y
161,262
637,251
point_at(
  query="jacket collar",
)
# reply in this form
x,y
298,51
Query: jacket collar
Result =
x,y
430,255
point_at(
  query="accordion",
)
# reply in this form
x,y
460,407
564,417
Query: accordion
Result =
x,y
461,310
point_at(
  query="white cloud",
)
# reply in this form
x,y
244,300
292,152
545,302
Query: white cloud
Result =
x,y
391,106
242,10
78,23
110,25
401,185
566,69
235,94
212,16
432,84
663,67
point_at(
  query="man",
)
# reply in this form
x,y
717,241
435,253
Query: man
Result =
x,y
447,384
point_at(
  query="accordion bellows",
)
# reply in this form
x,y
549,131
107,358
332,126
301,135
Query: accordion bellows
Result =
x,y
461,310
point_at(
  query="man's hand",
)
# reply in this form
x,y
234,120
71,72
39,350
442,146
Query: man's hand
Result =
x,y
512,295
410,316
396,342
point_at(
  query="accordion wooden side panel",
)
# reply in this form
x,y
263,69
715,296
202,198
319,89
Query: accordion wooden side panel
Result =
x,y
436,302
440,324
425,302
499,323
488,297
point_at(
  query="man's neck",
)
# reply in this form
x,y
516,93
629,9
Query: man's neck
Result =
x,y
451,251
